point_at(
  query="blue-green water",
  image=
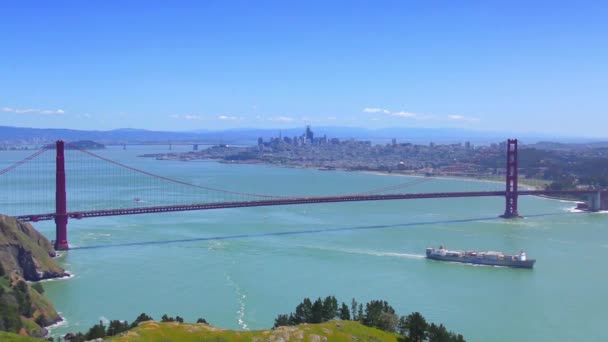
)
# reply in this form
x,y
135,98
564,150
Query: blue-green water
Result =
x,y
370,250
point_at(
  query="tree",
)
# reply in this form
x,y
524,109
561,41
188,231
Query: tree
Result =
x,y
303,312
141,318
353,309
179,319
381,315
360,313
317,312
281,321
344,313
330,308
438,333
204,321
414,325
116,327
388,321
166,319
96,331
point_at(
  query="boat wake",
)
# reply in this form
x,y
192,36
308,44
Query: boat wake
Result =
x,y
371,252
240,313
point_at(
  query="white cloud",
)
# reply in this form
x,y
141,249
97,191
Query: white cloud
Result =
x,y
405,114
463,118
192,117
189,117
400,114
33,111
376,110
281,119
227,118
419,116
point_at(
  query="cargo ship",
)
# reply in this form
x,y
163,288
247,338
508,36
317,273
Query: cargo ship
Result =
x,y
489,258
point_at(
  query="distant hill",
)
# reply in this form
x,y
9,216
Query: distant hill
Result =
x,y
21,135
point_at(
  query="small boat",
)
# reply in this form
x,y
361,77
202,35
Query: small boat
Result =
x,y
489,258
137,200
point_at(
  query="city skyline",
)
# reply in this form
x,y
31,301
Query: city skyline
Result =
x,y
516,67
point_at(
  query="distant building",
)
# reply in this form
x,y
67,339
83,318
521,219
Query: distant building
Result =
x,y
309,135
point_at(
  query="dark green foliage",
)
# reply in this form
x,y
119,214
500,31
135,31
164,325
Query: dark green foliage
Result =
x,y
330,308
281,321
438,333
38,287
23,299
360,316
204,321
303,312
353,309
322,310
116,327
9,316
96,331
75,337
379,314
317,312
141,318
414,325
344,313
166,319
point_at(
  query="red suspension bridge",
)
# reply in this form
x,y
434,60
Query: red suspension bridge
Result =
x,y
598,199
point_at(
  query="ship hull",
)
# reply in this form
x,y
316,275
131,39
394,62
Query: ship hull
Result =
x,y
507,262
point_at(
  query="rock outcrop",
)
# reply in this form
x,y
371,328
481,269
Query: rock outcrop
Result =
x,y
27,252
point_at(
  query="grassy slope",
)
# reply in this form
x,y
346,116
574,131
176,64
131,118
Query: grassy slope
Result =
x,y
40,307
334,331
8,337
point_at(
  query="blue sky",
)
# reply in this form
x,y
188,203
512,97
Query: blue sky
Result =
x,y
519,66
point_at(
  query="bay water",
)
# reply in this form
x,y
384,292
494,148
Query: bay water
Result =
x,y
239,268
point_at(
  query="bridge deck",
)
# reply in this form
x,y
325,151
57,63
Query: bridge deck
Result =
x,y
292,201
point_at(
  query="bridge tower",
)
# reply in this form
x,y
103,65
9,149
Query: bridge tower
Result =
x,y
511,181
61,216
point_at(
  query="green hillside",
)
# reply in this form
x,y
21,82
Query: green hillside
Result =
x,y
184,332
10,337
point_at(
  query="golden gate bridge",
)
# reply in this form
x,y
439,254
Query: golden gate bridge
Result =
x,y
598,198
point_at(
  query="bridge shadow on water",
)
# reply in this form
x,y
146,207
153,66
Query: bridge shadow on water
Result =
x,y
310,231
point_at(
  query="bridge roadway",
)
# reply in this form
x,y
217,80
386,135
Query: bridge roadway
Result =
x,y
290,201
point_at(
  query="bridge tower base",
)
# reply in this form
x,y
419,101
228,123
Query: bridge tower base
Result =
x,y
595,201
511,181
61,215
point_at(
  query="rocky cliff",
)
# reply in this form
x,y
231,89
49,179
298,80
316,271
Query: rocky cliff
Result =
x,y
27,252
